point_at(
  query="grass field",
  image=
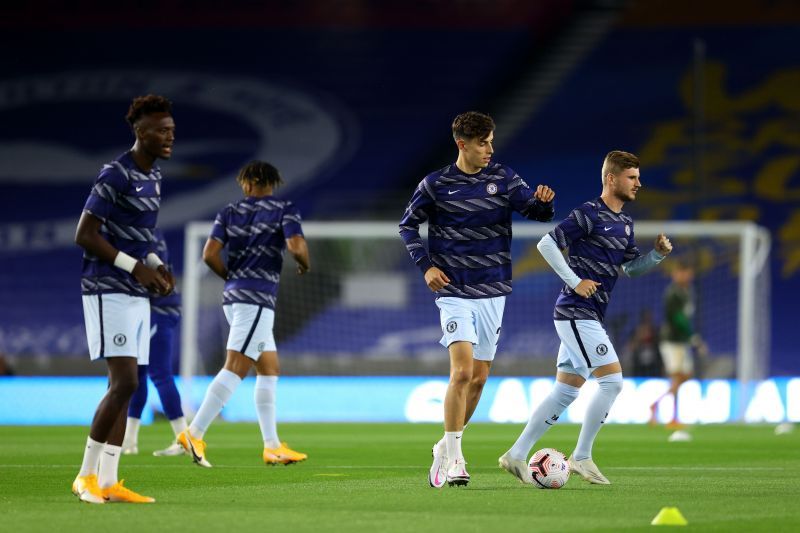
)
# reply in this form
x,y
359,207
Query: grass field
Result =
x,y
373,477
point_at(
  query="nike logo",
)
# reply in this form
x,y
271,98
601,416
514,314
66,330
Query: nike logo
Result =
x,y
548,422
452,192
608,228
110,454
458,438
139,189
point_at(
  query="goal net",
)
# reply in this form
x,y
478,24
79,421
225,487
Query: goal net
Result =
x,y
364,308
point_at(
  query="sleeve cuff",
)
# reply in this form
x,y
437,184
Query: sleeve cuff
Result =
x,y
424,264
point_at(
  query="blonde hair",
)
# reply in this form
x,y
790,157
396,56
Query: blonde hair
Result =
x,y
616,161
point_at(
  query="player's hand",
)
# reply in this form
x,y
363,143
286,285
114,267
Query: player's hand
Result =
x,y
544,193
662,245
168,277
436,279
586,288
151,279
302,269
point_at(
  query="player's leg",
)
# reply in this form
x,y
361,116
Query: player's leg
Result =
x,y
685,369
488,323
265,394
103,445
457,320
130,444
109,461
243,319
674,357
160,371
569,380
138,312
599,352
455,402
480,373
222,387
114,325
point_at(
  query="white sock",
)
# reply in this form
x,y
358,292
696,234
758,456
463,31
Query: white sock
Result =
x,y
109,465
219,392
91,457
178,425
442,444
453,443
131,438
544,416
596,414
264,396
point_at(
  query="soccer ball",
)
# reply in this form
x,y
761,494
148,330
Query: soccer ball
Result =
x,y
549,469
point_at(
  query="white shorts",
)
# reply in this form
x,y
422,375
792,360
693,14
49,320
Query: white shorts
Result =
x,y
584,346
117,325
251,329
677,357
473,320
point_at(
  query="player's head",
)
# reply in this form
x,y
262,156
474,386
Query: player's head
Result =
x,y
682,272
258,174
621,175
151,120
474,133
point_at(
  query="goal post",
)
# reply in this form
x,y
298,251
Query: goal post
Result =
x,y
364,308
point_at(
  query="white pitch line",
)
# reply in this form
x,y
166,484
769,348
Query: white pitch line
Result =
x,y
423,467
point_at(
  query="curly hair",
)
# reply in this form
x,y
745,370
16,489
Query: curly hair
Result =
x,y
472,125
145,105
260,173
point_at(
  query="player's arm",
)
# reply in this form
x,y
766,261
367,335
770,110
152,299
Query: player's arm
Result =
x,y
212,256
415,214
298,247
88,237
642,264
552,254
154,261
533,205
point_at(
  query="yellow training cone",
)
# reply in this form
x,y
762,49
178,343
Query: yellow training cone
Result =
x,y
669,516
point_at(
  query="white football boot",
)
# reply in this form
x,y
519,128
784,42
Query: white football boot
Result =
x,y
173,449
437,475
457,473
516,467
588,471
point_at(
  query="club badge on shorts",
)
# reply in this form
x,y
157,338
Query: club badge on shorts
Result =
x,y
451,327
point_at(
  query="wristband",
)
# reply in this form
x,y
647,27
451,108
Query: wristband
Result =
x,y
125,262
153,261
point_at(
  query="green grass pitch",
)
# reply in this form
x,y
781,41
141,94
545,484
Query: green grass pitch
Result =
x,y
373,477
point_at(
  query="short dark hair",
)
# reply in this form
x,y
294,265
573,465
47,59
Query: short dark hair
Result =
x,y
260,173
145,105
616,161
472,125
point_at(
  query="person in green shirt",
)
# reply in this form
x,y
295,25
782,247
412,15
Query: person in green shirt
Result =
x,y
678,335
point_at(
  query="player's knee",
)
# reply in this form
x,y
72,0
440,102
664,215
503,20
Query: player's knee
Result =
x,y
477,382
611,383
460,376
160,379
124,387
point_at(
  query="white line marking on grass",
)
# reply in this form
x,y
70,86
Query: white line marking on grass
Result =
x,y
423,467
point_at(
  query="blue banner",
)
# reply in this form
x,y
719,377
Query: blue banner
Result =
x,y
59,400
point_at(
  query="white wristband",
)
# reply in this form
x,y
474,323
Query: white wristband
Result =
x,y
125,262
153,261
